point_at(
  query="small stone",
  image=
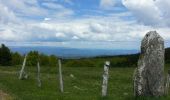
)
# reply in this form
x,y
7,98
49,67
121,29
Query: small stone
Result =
x,y
72,76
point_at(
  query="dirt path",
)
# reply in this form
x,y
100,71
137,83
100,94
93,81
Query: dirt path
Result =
x,y
4,96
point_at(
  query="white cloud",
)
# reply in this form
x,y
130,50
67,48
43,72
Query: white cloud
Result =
x,y
14,28
23,8
61,10
6,15
64,13
60,35
69,2
150,12
57,27
8,35
52,5
14,32
75,38
97,29
32,8
107,4
47,19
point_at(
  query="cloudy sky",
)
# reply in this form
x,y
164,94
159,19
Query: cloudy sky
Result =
x,y
116,24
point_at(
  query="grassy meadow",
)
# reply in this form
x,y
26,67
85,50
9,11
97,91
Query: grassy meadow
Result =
x,y
82,81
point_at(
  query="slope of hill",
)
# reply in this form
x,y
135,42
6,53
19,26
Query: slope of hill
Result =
x,y
82,79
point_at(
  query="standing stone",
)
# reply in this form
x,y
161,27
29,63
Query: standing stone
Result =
x,y
149,75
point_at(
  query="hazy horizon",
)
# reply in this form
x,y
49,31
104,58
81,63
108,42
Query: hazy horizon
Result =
x,y
64,52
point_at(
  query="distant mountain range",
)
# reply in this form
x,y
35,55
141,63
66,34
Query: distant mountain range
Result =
x,y
73,52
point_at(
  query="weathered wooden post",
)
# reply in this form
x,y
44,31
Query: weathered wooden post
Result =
x,y
38,74
60,76
167,83
105,78
22,74
149,75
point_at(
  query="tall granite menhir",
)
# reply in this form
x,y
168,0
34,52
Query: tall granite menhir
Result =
x,y
149,75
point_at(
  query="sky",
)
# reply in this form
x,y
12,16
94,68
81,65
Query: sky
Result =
x,y
104,24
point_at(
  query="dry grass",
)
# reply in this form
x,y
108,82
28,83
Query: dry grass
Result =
x,y
4,96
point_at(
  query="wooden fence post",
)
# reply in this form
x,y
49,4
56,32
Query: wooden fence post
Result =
x,y
22,73
38,74
105,78
60,76
167,83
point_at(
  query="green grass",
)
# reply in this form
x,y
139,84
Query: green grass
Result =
x,y
86,84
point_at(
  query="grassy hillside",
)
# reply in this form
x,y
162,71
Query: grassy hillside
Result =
x,y
82,80
85,85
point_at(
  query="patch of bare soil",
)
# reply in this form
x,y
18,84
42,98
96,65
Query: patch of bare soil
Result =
x,y
4,96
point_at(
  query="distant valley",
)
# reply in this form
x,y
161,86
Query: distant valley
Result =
x,y
73,52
